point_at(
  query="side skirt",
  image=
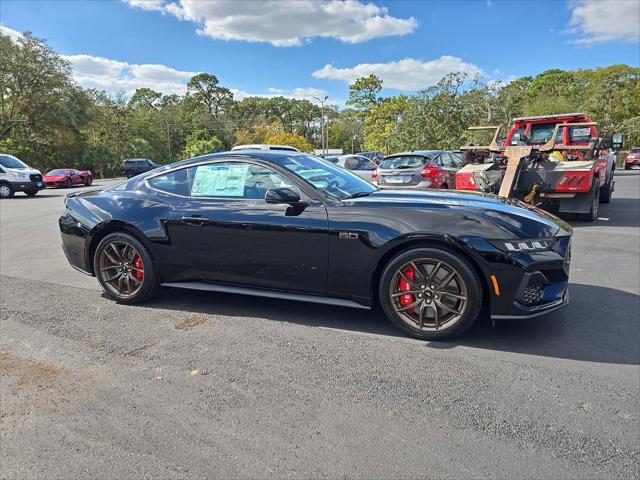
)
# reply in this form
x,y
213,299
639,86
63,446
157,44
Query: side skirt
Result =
x,y
212,287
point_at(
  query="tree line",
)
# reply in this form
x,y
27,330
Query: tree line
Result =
x,y
49,121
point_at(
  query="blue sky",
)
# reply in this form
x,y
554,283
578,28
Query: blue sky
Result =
x,y
303,48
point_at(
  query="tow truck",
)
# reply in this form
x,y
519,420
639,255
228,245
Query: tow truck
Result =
x,y
557,162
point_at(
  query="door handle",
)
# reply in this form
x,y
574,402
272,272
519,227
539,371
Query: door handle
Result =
x,y
195,220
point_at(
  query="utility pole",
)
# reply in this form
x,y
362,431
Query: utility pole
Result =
x,y
323,146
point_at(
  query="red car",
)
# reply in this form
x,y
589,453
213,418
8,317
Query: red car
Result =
x,y
68,177
633,158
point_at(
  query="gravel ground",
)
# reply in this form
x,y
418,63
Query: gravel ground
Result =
x,y
198,384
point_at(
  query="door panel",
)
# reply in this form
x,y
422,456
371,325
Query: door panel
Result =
x,y
246,241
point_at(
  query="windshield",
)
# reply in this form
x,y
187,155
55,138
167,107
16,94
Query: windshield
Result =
x,y
403,161
326,176
541,133
58,172
635,150
9,161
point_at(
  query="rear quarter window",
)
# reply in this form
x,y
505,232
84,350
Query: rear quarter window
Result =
x,y
173,182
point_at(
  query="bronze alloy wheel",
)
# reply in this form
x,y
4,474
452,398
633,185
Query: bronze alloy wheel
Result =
x,y
428,294
121,268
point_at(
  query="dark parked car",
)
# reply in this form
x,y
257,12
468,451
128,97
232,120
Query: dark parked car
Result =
x,y
292,226
375,157
418,170
135,166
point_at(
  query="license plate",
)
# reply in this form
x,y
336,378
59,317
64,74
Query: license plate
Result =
x,y
397,179
39,184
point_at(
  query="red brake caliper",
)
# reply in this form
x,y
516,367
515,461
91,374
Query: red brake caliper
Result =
x,y
404,285
138,264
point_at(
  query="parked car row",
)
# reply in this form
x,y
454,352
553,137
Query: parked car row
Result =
x,y
17,176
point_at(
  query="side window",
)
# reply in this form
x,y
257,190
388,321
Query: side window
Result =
x,y
366,164
446,160
233,180
173,182
352,163
580,134
517,136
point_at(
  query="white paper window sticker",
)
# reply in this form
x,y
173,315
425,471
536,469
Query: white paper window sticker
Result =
x,y
220,180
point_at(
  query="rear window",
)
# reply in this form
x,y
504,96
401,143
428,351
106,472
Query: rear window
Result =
x,y
403,161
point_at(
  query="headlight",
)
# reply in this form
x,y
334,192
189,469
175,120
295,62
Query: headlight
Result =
x,y
524,246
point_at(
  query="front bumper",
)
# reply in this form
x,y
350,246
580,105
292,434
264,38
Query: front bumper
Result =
x,y
629,162
27,185
526,285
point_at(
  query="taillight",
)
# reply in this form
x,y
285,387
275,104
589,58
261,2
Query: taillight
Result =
x,y
429,172
374,175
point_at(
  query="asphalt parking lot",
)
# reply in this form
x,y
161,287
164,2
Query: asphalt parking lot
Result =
x,y
199,384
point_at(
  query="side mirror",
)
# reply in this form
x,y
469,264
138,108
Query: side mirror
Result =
x,y
282,195
617,141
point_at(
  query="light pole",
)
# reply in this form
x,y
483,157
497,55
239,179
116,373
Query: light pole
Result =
x,y
322,100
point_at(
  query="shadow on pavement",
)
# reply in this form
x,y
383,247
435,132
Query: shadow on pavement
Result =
x,y
600,324
621,212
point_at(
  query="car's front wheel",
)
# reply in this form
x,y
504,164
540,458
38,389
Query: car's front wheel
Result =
x,y
88,181
6,191
431,293
125,269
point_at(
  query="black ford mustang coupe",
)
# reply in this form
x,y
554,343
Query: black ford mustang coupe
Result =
x,y
292,226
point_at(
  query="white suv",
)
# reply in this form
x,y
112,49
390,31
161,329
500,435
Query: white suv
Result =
x,y
16,176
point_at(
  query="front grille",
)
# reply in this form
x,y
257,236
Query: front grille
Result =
x,y
532,294
35,178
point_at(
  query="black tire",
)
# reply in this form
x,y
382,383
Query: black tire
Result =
x,y
88,181
150,282
467,274
69,183
627,167
6,190
606,190
592,214
130,174
31,193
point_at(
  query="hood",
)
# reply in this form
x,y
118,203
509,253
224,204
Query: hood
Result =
x,y
515,218
21,171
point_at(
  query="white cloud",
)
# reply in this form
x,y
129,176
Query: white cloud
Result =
x,y
406,74
113,75
300,93
10,32
283,23
598,21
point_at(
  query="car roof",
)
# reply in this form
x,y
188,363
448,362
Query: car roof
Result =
x,y
422,153
265,146
266,155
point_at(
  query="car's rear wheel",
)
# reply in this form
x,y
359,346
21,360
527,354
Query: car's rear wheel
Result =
x,y
88,181
6,191
69,183
431,293
125,269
